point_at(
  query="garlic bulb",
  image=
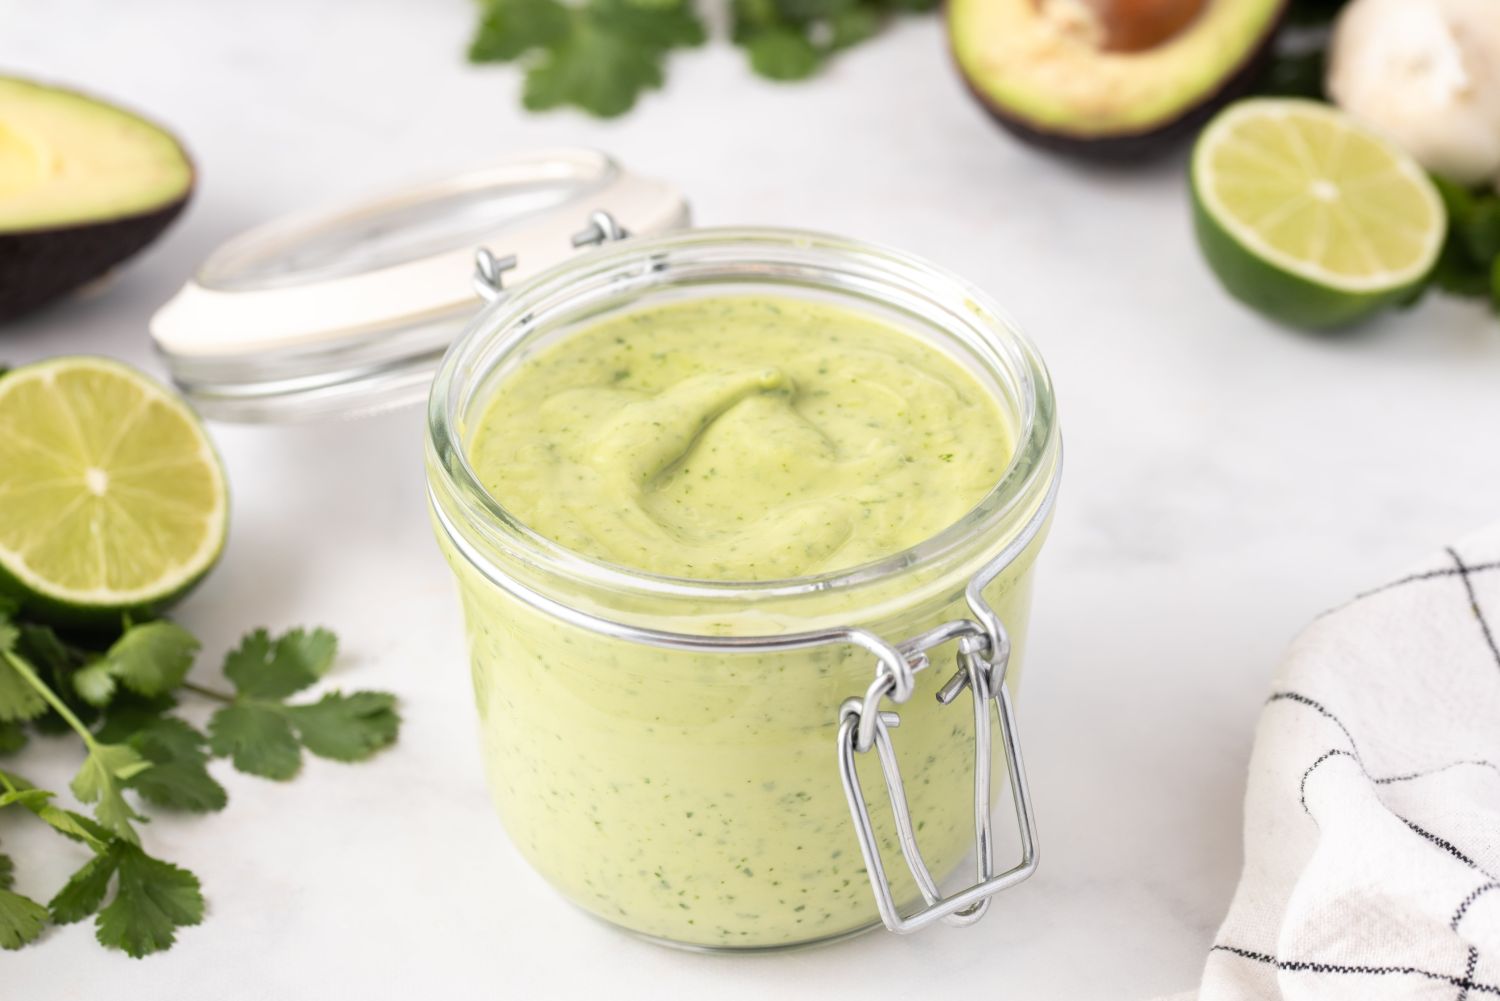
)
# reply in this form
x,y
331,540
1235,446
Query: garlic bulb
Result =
x,y
1427,73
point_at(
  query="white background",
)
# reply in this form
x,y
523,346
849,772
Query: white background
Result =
x,y
1226,481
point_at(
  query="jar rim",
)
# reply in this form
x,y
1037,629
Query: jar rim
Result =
x,y
502,326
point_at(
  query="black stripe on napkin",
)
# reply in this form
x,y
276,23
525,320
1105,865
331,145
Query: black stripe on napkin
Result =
x,y
1309,966
1464,574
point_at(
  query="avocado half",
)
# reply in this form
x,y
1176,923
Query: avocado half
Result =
x,y
1109,78
83,185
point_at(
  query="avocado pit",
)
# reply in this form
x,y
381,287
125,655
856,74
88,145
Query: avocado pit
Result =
x,y
1129,25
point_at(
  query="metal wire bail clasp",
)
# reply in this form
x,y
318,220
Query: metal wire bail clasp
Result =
x,y
983,657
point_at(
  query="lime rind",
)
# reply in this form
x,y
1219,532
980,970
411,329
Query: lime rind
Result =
x,y
101,602
1224,131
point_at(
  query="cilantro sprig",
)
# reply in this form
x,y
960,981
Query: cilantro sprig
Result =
x,y
263,735
120,702
1470,262
601,55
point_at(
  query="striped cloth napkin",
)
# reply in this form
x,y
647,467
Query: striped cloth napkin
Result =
x,y
1372,815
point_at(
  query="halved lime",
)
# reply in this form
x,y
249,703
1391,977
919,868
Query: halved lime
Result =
x,y
112,499
1308,216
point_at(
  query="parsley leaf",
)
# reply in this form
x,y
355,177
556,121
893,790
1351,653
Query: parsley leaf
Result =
x,y
257,738
267,669
149,659
347,727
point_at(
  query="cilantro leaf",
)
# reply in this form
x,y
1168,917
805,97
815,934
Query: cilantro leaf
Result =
x,y
74,826
1470,257
658,24
12,738
750,17
21,920
257,738
54,660
510,28
263,736
594,69
95,684
262,668
84,891
101,781
347,727
31,799
71,825
600,55
178,778
783,54
18,699
49,653
850,27
149,659
54,684
152,900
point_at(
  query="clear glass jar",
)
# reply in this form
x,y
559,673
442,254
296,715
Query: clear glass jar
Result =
x,y
662,750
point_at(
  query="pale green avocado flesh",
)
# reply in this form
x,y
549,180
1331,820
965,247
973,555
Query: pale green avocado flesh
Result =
x,y
67,158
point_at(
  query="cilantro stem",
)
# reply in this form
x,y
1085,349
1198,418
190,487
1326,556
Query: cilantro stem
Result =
x,y
25,670
208,693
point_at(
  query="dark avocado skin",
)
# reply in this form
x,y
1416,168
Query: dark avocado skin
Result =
x,y
38,266
1150,143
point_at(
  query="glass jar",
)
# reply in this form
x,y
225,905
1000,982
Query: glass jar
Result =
x,y
688,758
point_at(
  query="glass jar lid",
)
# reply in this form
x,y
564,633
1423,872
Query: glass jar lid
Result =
x,y
348,310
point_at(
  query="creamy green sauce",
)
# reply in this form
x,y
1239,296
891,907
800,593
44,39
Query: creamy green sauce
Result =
x,y
740,438
693,796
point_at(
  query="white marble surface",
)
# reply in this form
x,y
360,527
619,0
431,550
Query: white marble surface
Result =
x,y
1226,481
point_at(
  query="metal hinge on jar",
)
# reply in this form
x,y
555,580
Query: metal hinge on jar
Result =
x,y
983,658
489,270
